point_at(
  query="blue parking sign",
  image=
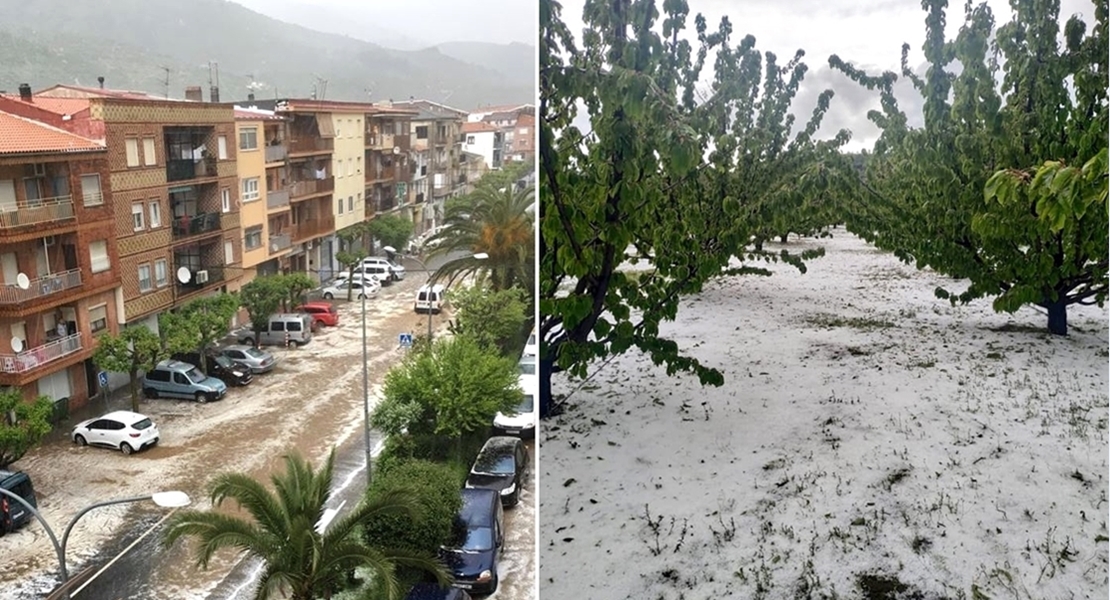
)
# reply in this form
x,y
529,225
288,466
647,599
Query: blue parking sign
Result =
x,y
102,377
405,340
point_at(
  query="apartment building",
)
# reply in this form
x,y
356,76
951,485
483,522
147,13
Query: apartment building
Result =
x,y
265,211
389,168
436,146
59,283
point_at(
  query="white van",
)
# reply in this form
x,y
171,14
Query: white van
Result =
x,y
298,326
429,299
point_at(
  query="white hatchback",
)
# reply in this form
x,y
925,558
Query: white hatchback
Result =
x,y
360,287
121,430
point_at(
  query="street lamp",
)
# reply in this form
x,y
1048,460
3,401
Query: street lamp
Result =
x,y
172,499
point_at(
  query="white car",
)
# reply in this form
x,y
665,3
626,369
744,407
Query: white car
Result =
x,y
522,421
368,287
532,346
377,272
397,270
121,430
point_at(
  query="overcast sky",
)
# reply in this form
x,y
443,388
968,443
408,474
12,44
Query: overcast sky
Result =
x,y
868,34
411,24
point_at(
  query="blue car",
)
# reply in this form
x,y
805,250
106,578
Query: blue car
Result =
x,y
432,591
479,539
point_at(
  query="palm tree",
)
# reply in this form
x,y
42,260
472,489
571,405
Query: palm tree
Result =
x,y
494,221
301,563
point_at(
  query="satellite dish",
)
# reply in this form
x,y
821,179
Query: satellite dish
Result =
x,y
396,149
23,282
17,345
183,275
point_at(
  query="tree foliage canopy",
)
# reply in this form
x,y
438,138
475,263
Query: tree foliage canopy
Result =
x,y
31,424
200,323
434,486
138,349
391,230
496,320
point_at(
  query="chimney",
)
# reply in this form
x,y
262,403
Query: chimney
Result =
x,y
214,94
194,94
250,97
25,92
100,80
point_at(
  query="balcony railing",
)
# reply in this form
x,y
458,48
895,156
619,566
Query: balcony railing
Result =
x,y
386,204
380,174
180,170
276,153
32,358
41,287
280,241
313,228
277,199
34,212
195,225
308,187
307,145
200,278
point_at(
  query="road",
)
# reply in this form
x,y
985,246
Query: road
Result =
x,y
310,403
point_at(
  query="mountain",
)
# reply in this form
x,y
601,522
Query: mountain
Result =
x,y
44,42
330,19
516,61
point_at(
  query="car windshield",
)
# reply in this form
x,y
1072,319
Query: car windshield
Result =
x,y
526,405
528,367
141,425
498,465
255,353
195,375
224,362
474,539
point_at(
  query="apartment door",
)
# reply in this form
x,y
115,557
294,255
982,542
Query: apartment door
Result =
x,y
69,255
42,260
7,196
19,330
9,267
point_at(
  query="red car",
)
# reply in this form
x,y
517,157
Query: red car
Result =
x,y
323,313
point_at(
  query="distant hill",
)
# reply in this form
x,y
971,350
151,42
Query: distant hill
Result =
x,y
44,42
515,61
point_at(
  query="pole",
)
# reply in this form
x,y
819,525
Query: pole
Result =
x,y
428,296
365,393
49,532
73,521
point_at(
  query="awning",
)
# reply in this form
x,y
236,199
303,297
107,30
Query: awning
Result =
x,y
324,124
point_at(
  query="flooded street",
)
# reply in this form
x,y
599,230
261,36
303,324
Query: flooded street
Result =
x,y
311,402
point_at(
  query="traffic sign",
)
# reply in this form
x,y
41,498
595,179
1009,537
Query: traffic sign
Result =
x,y
405,339
103,378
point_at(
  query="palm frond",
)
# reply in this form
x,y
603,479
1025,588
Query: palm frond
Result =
x,y
252,497
216,531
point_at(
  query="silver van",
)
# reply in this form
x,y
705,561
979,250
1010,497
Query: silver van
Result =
x,y
176,379
298,326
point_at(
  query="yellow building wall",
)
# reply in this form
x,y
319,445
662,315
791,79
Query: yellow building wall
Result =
x,y
350,172
251,164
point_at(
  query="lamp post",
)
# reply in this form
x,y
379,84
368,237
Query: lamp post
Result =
x,y
365,391
172,499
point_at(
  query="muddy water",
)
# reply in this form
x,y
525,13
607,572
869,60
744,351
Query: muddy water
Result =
x,y
311,402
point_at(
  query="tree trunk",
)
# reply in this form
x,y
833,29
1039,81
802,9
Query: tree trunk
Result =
x,y
784,237
546,366
134,390
1057,317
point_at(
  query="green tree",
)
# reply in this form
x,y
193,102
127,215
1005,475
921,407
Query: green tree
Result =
x,y
262,296
496,222
668,175
449,389
300,562
203,322
954,195
351,254
138,349
22,424
294,286
494,319
435,486
391,230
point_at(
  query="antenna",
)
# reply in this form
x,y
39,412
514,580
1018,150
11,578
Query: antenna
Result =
x,y
166,81
321,86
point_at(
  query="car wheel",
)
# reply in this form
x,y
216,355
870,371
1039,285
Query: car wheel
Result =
x,y
80,439
202,397
150,393
247,342
126,449
329,295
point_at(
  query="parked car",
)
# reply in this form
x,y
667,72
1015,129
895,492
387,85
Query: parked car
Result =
x,y
121,430
220,367
177,379
429,299
294,327
258,361
521,421
500,466
394,268
360,287
432,591
13,514
532,346
323,313
380,272
527,364
478,539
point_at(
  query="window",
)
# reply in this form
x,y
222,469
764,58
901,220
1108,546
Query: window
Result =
x,y
248,138
98,318
250,191
522,131
145,283
137,216
90,190
340,208
252,238
470,140
338,123
221,143
132,145
158,375
148,152
229,252
98,256
422,132
225,200
339,168
350,167
160,273
155,214
350,204
358,167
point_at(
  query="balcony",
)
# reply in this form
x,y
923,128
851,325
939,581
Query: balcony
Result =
x,y
311,145
309,187
441,140
277,199
376,140
41,287
276,153
44,210
32,358
200,278
280,241
182,170
380,174
386,204
189,226
306,230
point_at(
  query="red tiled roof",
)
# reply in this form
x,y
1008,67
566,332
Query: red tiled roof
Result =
x,y
24,136
246,114
477,127
61,106
93,92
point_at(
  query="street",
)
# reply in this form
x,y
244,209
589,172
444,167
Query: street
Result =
x,y
311,402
